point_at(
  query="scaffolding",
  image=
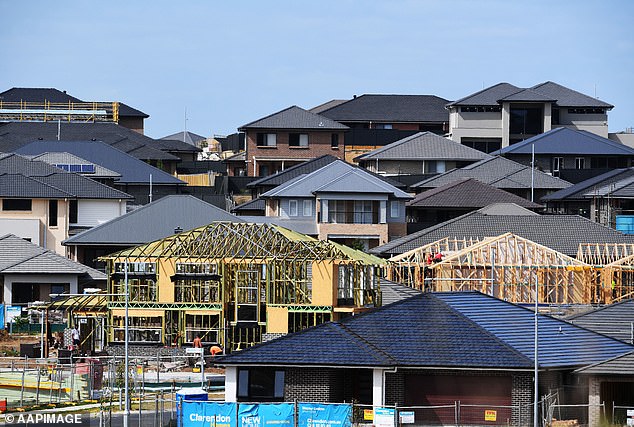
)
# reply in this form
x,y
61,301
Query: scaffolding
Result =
x,y
47,111
232,283
507,266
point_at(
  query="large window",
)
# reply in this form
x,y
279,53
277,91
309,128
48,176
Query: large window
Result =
x,y
72,212
16,204
526,121
580,163
196,282
353,212
141,281
261,384
266,140
206,326
298,140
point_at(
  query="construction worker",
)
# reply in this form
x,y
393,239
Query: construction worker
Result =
x,y
198,342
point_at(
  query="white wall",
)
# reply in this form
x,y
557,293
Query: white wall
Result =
x,y
24,228
94,212
10,279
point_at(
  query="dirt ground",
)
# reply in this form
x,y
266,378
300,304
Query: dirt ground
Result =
x,y
11,343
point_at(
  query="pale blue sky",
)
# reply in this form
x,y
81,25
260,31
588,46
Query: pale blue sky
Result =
x,y
230,63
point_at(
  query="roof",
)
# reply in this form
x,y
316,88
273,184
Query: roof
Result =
x,y
185,136
392,292
304,227
614,320
247,241
619,365
17,256
565,140
21,177
424,146
327,105
467,193
131,169
336,177
63,158
293,172
543,92
17,134
152,222
391,108
294,117
440,330
562,233
581,189
255,204
31,94
498,172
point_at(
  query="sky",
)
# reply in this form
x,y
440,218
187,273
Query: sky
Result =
x,y
211,66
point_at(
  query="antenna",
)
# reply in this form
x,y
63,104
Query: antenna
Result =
x,y
150,188
185,126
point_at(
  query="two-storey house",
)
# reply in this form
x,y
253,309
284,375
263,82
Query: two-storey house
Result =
x,y
289,137
503,114
347,204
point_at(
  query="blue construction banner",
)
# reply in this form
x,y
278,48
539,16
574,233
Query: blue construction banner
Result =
x,y
324,415
266,414
208,414
1,316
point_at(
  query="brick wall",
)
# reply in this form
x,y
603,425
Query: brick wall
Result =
x,y
318,145
395,388
522,396
309,384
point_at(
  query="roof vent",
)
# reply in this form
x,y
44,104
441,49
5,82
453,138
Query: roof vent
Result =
x,y
178,230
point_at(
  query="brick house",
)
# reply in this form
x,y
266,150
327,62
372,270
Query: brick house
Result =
x,y
289,137
431,349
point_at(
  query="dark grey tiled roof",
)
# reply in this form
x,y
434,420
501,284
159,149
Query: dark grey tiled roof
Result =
x,y
567,97
294,117
467,193
392,292
70,159
152,222
498,172
19,256
327,105
424,146
131,169
489,96
562,233
543,92
615,320
568,141
465,330
37,94
188,137
391,108
17,134
21,177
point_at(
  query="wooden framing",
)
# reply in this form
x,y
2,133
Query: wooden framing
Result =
x,y
600,254
508,267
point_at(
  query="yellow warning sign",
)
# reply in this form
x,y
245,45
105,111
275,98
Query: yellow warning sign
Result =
x,y
490,415
368,414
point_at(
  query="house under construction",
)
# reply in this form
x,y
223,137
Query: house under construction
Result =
x,y
511,268
235,284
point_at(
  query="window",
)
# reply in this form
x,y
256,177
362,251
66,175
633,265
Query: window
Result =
x,y
558,163
394,209
334,141
267,140
52,213
16,204
261,384
141,281
72,212
140,329
481,109
307,208
206,326
586,111
363,212
580,163
298,140
292,208
383,126
356,285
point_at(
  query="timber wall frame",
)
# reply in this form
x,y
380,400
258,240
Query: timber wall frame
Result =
x,y
509,266
263,274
